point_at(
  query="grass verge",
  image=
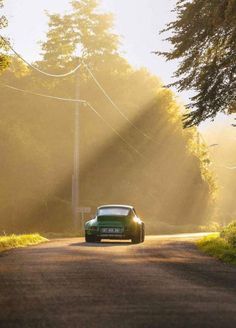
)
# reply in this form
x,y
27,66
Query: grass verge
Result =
x,y
15,241
215,245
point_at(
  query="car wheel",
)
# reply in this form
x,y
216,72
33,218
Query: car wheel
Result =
x,y
87,238
137,238
90,239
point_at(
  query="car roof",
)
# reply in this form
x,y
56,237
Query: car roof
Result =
x,y
117,205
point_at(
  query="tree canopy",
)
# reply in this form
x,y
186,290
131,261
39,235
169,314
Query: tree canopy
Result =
x,y
203,37
4,60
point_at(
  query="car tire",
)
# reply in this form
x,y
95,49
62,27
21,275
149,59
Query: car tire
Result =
x,y
87,238
90,239
137,238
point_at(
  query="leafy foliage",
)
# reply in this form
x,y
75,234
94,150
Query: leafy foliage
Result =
x,y
229,233
204,39
218,247
15,241
199,149
223,245
4,60
84,33
212,226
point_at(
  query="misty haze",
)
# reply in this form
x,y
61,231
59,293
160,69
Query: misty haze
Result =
x,y
126,108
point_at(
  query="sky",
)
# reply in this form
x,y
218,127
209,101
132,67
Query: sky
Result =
x,y
137,21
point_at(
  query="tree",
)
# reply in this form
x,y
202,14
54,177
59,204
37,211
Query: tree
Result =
x,y
204,40
4,60
83,33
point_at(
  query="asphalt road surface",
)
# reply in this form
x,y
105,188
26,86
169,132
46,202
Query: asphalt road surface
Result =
x,y
164,282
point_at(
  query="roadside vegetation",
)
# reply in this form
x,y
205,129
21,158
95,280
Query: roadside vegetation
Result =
x,y
16,241
211,227
221,245
4,59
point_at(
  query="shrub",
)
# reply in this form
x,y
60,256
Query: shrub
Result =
x,y
218,247
212,227
229,233
14,241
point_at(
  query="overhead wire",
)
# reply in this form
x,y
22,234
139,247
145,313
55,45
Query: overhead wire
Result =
x,y
72,72
36,68
76,100
113,103
228,167
41,94
84,102
114,130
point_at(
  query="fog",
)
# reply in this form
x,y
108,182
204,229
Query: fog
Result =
x,y
222,137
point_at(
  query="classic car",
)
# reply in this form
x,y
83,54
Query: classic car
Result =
x,y
115,222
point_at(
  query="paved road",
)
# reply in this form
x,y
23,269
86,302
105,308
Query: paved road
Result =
x,y
164,282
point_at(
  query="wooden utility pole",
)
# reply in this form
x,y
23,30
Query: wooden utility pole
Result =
x,y
75,177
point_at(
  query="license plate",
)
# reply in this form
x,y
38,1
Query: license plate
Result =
x,y
111,230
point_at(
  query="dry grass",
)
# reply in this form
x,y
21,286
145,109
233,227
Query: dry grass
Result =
x,y
15,241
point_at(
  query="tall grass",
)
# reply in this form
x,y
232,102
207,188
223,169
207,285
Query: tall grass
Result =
x,y
221,245
14,241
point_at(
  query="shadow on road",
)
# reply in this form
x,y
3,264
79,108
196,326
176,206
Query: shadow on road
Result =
x,y
101,244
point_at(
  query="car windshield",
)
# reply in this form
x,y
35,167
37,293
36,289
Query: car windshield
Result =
x,y
122,211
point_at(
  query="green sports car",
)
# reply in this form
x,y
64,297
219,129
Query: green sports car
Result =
x,y
115,222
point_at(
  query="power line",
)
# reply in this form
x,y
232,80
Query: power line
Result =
x,y
34,67
75,100
114,130
72,72
42,95
228,167
114,104
84,102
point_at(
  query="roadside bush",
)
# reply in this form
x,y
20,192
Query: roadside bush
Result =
x,y
212,227
221,245
229,233
218,247
15,241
